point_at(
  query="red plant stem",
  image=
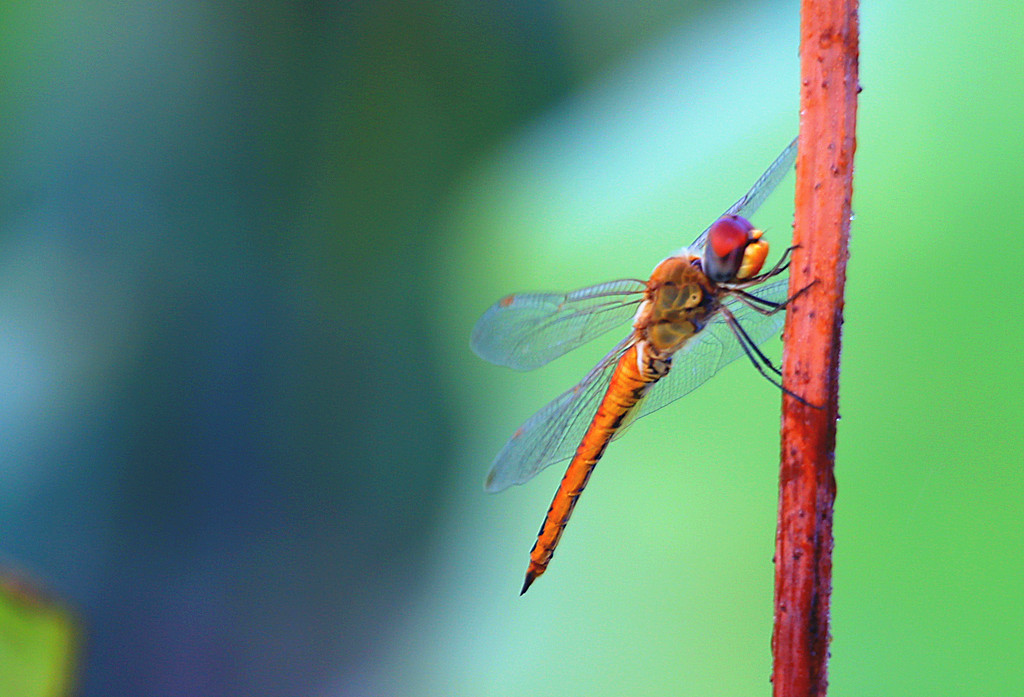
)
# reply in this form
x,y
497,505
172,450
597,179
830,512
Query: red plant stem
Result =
x,y
807,488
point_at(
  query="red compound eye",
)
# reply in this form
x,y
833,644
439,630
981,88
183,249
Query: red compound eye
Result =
x,y
727,240
729,234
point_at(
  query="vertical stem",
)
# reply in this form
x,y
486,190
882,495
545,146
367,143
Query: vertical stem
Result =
x,y
803,546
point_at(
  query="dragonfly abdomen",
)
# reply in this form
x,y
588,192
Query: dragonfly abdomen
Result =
x,y
634,375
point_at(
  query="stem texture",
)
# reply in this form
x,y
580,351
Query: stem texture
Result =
x,y
807,488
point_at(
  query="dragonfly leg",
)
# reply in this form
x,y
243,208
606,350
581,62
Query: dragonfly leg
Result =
x,y
758,358
781,265
751,348
767,307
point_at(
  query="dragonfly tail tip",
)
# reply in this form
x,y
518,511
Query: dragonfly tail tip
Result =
x,y
530,576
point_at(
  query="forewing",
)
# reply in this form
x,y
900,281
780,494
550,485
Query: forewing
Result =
x,y
553,433
715,347
526,330
758,193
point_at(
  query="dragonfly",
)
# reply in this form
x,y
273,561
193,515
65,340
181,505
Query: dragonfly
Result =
x,y
702,308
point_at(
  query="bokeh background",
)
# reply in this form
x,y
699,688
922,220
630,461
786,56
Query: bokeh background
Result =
x,y
242,246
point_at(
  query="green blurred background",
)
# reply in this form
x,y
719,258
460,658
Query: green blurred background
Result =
x,y
242,246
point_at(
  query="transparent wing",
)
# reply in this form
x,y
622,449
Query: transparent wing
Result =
x,y
715,347
760,191
526,330
553,433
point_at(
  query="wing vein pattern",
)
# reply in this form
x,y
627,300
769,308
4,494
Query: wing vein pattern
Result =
x,y
527,330
553,433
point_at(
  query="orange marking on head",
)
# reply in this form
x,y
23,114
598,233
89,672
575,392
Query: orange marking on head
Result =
x,y
753,258
506,301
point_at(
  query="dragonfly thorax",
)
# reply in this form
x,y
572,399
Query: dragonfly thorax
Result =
x,y
678,303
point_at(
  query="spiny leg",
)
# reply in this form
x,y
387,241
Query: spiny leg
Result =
x,y
767,307
754,353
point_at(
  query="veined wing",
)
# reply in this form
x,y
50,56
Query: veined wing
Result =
x,y
758,193
526,330
553,433
715,347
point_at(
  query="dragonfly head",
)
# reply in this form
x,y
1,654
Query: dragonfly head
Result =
x,y
734,250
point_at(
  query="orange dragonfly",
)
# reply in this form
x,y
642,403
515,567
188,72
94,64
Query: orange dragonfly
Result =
x,y
702,308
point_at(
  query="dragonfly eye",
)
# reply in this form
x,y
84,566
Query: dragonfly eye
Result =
x,y
734,250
